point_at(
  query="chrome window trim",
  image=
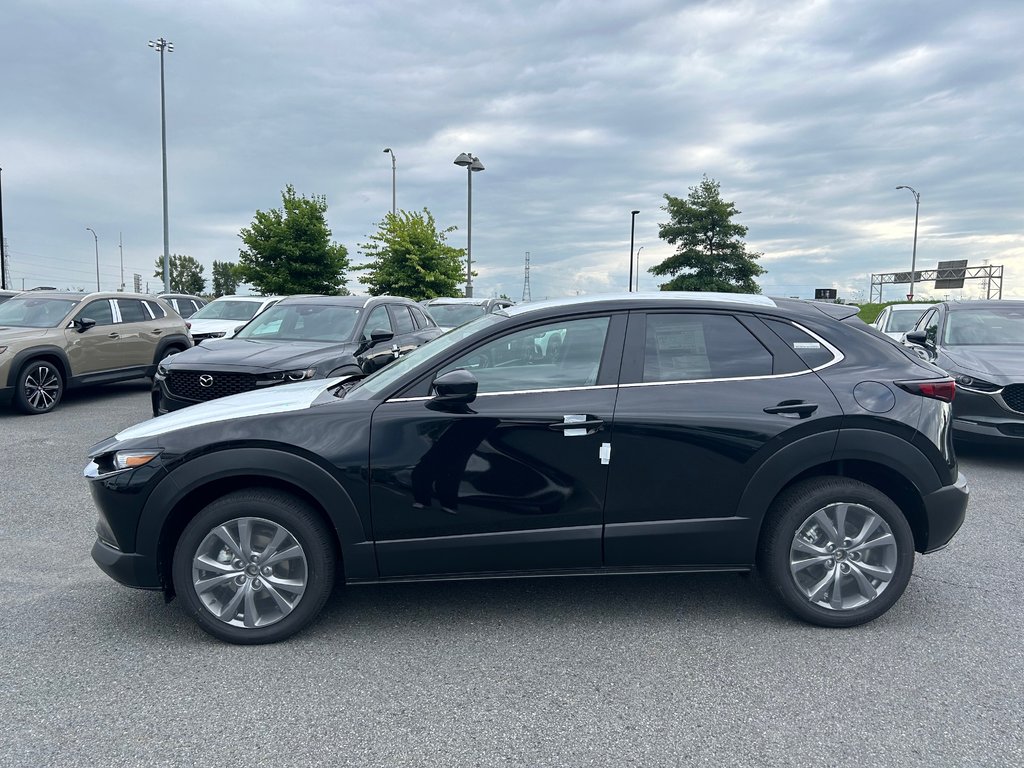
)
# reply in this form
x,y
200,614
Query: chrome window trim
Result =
x,y
510,392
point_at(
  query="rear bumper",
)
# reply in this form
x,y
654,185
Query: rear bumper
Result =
x,y
946,510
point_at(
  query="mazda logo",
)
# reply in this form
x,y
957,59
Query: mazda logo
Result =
x,y
206,380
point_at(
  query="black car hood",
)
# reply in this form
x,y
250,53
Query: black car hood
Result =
x,y
1006,360
258,355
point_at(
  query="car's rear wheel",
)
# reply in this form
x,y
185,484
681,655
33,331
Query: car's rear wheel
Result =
x,y
254,566
39,387
836,551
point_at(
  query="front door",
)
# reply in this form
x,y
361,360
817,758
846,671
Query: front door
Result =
x,y
96,349
506,484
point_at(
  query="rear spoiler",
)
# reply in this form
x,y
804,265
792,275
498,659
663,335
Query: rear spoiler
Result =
x,y
836,311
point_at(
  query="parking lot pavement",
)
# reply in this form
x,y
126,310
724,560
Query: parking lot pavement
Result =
x,y
700,670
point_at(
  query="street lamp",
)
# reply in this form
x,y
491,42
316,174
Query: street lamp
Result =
x,y
96,242
638,268
391,152
3,265
632,229
471,164
160,45
913,257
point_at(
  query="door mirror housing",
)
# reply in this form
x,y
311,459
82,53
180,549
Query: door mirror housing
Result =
x,y
377,335
84,324
454,388
920,338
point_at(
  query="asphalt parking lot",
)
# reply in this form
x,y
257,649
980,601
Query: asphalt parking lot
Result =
x,y
632,671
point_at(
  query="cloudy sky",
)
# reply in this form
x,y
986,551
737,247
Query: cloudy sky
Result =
x,y
808,113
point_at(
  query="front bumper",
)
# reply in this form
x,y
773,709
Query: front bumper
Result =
x,y
945,510
128,568
984,416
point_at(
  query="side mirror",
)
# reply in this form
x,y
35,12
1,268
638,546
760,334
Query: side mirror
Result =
x,y
237,329
454,388
920,338
84,324
378,335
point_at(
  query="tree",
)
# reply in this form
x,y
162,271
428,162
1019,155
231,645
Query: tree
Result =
x,y
186,274
225,278
409,257
711,255
289,250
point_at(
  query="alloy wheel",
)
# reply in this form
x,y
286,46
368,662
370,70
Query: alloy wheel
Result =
x,y
42,387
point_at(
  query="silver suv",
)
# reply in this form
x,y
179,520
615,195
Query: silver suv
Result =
x,y
52,341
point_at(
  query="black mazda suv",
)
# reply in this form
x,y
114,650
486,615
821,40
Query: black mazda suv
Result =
x,y
598,435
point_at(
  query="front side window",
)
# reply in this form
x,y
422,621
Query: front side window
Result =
x,y
688,347
554,356
929,323
99,311
377,321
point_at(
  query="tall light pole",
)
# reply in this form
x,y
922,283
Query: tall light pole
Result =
x,y
632,229
638,268
96,242
394,165
3,251
161,45
913,256
472,165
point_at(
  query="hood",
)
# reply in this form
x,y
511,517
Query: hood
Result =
x,y
288,397
995,360
216,326
15,333
258,355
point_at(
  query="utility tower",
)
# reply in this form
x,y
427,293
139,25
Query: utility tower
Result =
x,y
526,279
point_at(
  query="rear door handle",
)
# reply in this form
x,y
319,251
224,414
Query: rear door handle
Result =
x,y
113,335
793,408
588,424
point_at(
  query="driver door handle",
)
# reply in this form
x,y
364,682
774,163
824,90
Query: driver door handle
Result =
x,y
113,335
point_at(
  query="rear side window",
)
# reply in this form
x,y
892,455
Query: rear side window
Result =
x,y
688,347
131,311
809,349
403,320
422,320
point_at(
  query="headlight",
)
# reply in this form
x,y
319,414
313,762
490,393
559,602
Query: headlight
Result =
x,y
132,459
297,375
161,370
978,385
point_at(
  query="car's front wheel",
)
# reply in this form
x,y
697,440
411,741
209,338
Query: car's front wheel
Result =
x,y
39,387
254,566
836,551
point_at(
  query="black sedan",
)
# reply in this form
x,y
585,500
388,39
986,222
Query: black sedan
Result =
x,y
302,337
663,433
981,345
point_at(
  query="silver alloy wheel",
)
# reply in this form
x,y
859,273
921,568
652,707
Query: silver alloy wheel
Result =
x,y
249,572
843,556
42,387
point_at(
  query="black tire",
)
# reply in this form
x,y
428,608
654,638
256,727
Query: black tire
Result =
x,y
865,571
255,593
39,387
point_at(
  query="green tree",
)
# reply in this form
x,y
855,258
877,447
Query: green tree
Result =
x,y
186,274
225,278
410,257
711,255
289,250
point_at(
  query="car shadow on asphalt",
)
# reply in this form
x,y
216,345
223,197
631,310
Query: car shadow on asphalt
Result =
x,y
100,394
1003,455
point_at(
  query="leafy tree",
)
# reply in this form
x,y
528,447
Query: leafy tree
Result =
x,y
711,255
289,250
225,278
410,257
186,274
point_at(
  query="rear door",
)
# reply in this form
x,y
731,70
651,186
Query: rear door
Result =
x,y
705,398
139,333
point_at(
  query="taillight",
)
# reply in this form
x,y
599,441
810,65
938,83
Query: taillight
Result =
x,y
937,389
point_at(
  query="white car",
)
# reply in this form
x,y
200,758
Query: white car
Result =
x,y
896,319
226,314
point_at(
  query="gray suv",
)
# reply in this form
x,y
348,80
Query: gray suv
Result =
x,y
52,341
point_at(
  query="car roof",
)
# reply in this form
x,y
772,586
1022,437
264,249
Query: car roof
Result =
x,y
233,297
79,296
958,306
643,299
458,300
907,307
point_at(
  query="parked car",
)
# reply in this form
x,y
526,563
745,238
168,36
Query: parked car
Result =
x,y
184,304
449,313
981,345
668,433
51,342
897,319
225,314
5,295
301,337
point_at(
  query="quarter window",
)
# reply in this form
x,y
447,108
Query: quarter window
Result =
x,y
809,349
554,356
686,347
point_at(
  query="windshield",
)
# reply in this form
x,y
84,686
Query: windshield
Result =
x,y
377,382
903,320
35,312
989,325
451,315
228,310
302,322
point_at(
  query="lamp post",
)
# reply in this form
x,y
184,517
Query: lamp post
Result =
x,y
96,242
472,165
638,268
3,252
391,152
632,229
913,256
160,45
